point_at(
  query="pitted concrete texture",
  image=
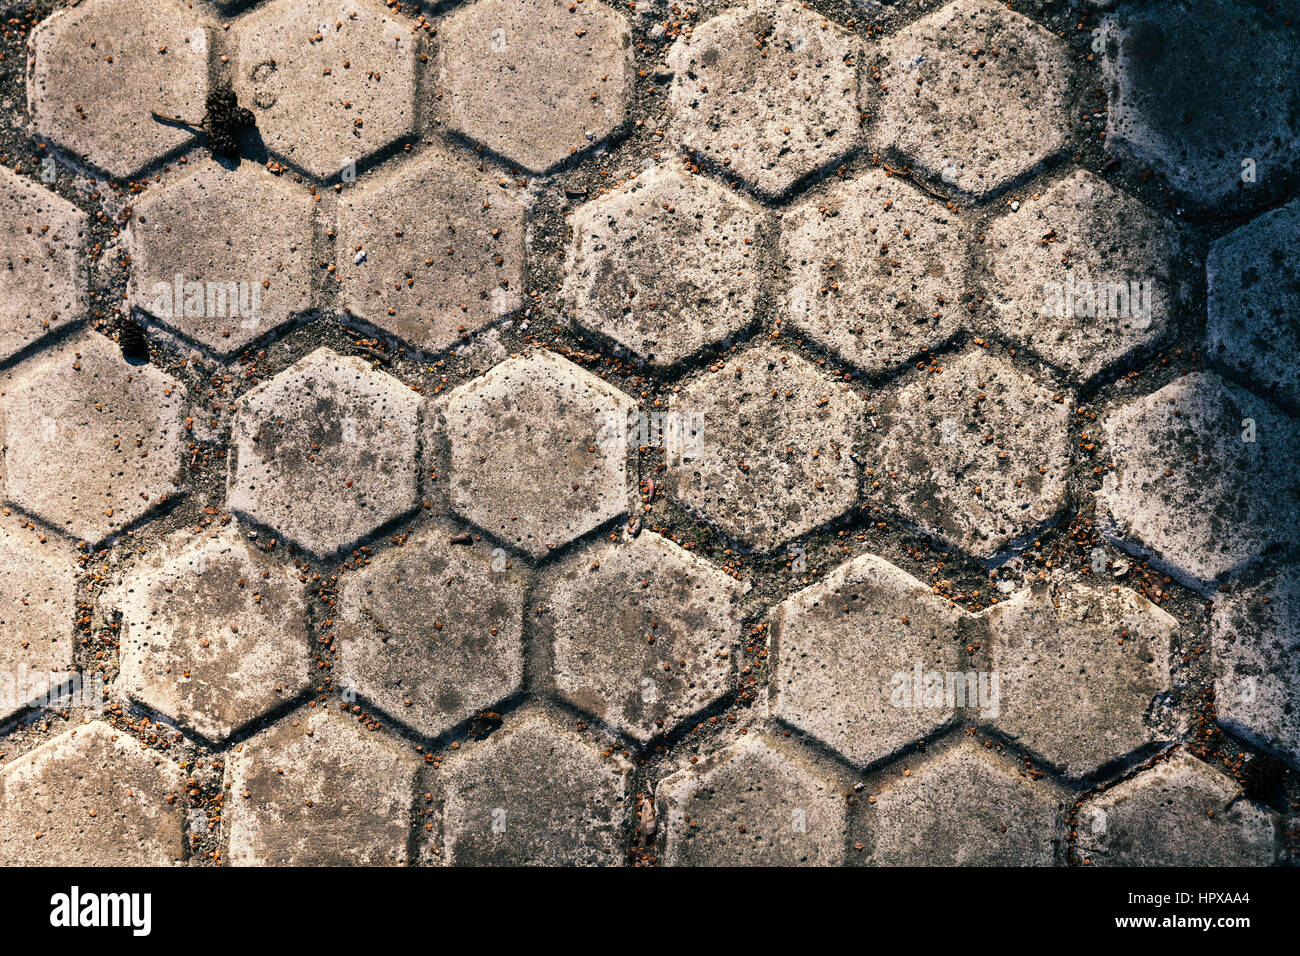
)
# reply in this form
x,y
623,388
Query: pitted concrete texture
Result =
x,y
973,95
225,288
91,442
43,279
431,632
37,608
214,632
876,271
966,807
318,789
324,453
91,796
853,652
1181,812
1083,672
621,243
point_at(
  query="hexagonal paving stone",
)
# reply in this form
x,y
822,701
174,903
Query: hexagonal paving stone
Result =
x,y
214,633
1203,482
431,631
91,443
966,807
771,457
1254,303
432,253
42,274
849,649
1082,673
1179,813
530,459
1081,274
532,794
223,287
1170,109
973,452
664,265
751,805
91,797
37,604
329,83
877,270
643,633
975,94
324,453
1255,634
535,80
100,66
766,91
320,790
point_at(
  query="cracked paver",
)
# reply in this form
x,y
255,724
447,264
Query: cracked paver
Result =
x,y
37,608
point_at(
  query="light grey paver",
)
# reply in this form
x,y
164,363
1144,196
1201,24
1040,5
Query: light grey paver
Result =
x,y
766,91
101,66
644,633
320,790
971,450
1082,274
532,794
91,797
769,452
1254,298
876,270
848,653
223,256
1179,813
538,451
1255,634
42,272
535,80
1083,670
329,83
37,605
324,453
214,632
965,807
1170,109
974,94
91,442
666,264
431,253
1189,489
751,805
430,631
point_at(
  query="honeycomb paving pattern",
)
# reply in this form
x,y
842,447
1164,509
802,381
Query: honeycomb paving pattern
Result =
x,y
579,432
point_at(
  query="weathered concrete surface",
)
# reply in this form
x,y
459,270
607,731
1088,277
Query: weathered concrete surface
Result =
x,y
92,796
214,632
430,631
1203,479
42,265
1182,812
751,805
532,794
37,608
973,95
534,80
324,453
848,649
318,789
766,92
768,447
538,451
666,264
91,443
644,633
